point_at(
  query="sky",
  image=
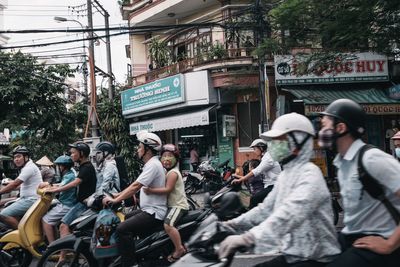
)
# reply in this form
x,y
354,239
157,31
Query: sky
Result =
x,y
39,14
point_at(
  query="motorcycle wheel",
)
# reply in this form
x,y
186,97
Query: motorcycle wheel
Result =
x,y
19,257
51,256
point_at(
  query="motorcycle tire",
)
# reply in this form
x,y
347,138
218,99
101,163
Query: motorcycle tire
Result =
x,y
50,257
19,257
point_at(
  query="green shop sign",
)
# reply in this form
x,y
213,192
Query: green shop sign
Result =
x,y
162,92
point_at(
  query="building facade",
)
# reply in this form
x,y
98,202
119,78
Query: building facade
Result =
x,y
3,38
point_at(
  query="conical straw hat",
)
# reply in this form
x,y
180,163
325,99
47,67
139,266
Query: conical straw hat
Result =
x,y
44,161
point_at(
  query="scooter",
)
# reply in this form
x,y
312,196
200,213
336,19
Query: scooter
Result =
x,y
151,250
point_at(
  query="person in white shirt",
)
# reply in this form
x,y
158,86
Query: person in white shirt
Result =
x,y
153,208
296,219
28,179
371,236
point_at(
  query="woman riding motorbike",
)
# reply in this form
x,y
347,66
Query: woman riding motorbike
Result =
x,y
295,219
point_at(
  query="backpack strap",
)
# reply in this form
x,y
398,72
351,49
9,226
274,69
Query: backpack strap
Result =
x,y
373,187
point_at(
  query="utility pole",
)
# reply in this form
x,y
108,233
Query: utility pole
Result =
x,y
93,98
261,62
108,49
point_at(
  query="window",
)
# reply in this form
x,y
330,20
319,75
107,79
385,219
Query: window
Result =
x,y
249,116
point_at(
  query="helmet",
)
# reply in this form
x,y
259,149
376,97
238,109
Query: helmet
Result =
x,y
21,150
227,206
106,146
349,112
150,140
171,148
288,123
259,143
64,160
81,147
396,136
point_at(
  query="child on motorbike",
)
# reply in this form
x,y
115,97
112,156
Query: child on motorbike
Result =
x,y
255,183
177,203
66,200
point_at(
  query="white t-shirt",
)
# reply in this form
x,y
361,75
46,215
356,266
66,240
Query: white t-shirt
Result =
x,y
153,175
31,178
269,168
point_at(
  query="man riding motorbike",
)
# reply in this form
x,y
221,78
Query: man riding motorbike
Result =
x,y
153,207
295,219
29,179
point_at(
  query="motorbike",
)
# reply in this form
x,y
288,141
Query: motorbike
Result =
x,y
151,250
207,177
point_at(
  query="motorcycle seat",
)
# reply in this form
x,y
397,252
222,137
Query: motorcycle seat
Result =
x,y
190,216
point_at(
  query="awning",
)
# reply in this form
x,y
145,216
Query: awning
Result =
x,y
173,122
312,96
374,101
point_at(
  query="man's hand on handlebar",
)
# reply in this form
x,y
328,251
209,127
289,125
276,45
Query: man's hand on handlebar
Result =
x,y
108,200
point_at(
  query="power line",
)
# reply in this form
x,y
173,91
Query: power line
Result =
x,y
54,50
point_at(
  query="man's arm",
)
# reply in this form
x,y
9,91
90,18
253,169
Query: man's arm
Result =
x,y
11,186
128,192
56,189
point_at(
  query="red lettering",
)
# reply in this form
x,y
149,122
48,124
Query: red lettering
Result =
x,y
380,65
348,67
360,66
370,66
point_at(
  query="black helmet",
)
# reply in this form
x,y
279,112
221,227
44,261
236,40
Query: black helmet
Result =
x,y
228,206
21,150
81,147
349,112
106,146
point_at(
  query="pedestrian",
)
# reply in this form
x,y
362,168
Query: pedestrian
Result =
x,y
28,180
153,207
194,157
269,169
295,219
46,169
177,202
370,237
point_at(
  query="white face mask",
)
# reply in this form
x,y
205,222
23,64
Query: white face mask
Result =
x,y
397,152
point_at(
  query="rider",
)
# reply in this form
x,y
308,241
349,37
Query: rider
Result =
x,y
107,172
29,178
85,182
268,168
370,237
153,207
177,203
66,200
295,219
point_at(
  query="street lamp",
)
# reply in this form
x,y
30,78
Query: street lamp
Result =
x,y
85,83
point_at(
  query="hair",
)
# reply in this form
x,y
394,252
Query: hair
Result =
x,y
254,163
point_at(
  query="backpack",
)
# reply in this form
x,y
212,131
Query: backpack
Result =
x,y
104,238
373,187
122,172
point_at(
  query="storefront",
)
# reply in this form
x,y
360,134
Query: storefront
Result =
x,y
363,78
183,109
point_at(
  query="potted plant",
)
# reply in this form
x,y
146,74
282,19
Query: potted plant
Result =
x,y
218,51
159,53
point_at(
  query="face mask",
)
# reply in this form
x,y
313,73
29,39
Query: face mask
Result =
x,y
279,149
168,162
397,151
326,138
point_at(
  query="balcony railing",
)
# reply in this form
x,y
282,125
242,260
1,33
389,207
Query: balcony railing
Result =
x,y
206,60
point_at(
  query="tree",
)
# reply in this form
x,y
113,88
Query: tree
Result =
x,y
338,26
32,104
115,129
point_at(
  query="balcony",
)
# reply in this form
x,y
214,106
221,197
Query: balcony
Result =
x,y
237,57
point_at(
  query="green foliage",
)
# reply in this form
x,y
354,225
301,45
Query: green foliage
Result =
x,y
218,51
32,104
115,129
159,53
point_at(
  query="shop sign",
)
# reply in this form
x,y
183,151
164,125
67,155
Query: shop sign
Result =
x,y
372,109
228,126
364,67
160,93
394,92
173,122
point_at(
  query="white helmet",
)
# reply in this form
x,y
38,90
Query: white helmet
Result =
x,y
149,139
259,143
289,123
